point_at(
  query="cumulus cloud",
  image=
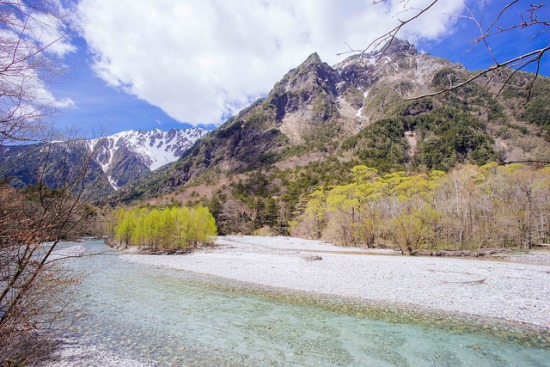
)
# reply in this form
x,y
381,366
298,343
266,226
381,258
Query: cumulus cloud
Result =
x,y
200,60
64,103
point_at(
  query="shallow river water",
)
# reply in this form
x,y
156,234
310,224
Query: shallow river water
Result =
x,y
174,318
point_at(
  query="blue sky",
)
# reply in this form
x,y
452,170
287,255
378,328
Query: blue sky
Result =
x,y
181,63
100,108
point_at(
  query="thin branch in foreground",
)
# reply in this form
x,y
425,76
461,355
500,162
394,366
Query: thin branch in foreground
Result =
x,y
388,38
533,56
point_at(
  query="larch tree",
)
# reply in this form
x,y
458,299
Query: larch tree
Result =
x,y
470,208
176,228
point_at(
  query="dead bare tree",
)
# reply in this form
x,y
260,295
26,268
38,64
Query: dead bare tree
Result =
x,y
510,18
25,60
34,284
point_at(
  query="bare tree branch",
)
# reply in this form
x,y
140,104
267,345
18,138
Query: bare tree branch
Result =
x,y
24,62
529,18
526,59
33,221
387,39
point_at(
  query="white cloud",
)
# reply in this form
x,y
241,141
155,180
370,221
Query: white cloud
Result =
x,y
201,59
49,32
29,37
23,92
64,103
45,26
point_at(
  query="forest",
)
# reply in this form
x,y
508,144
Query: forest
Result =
x,y
469,208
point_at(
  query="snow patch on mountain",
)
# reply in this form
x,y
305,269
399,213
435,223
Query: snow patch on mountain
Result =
x,y
113,183
153,148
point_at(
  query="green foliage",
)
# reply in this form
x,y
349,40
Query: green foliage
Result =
x,y
417,107
445,78
257,184
451,137
257,197
383,100
355,97
447,136
529,100
413,229
495,111
256,118
125,225
215,204
260,200
537,112
318,138
381,145
468,208
229,129
170,228
301,181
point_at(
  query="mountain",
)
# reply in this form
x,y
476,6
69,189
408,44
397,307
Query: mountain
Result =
x,y
55,165
128,154
258,168
115,160
319,120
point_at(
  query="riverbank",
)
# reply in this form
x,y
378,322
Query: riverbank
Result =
x,y
511,289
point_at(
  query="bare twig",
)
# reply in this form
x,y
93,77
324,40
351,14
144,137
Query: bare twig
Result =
x,y
388,38
530,18
533,56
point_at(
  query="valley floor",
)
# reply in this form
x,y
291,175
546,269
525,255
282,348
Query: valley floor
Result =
x,y
513,288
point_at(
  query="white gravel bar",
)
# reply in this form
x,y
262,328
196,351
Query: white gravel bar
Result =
x,y
506,290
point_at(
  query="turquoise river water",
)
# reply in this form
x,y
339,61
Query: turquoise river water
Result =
x,y
175,318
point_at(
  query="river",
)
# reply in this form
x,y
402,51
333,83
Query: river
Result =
x,y
172,318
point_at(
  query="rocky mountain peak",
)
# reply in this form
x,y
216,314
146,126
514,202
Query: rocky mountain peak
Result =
x,y
352,110
305,93
312,59
311,73
398,47
365,69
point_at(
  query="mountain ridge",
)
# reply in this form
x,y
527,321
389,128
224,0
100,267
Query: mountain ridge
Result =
x,y
152,149
117,159
320,120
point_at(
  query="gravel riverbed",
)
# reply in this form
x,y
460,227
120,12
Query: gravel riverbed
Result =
x,y
516,288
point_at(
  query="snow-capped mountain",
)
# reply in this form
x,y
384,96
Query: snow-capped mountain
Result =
x,y
117,160
154,148
128,154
